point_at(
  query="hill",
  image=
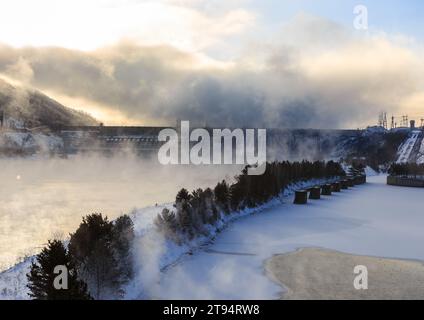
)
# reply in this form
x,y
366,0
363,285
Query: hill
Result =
x,y
31,108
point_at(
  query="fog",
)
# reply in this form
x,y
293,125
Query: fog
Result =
x,y
45,198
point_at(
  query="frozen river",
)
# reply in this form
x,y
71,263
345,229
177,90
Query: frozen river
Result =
x,y
372,219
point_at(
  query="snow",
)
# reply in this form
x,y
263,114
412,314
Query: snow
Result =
x,y
375,129
372,219
143,219
13,282
420,157
26,141
405,149
157,254
370,172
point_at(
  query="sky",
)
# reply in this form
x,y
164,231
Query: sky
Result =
x,y
225,63
394,16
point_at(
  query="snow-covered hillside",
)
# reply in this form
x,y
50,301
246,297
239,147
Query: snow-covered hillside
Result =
x,y
406,148
420,155
31,107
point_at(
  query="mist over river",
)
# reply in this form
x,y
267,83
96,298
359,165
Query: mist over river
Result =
x,y
44,198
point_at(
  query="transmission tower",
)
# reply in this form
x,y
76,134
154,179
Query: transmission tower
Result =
x,y
382,120
385,120
405,121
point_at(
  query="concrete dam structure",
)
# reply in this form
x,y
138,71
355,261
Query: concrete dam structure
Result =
x,y
110,139
107,139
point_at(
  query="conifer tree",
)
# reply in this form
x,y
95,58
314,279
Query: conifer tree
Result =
x,y
183,194
92,251
122,239
222,195
41,276
166,223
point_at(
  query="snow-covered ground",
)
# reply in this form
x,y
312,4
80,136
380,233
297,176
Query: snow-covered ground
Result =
x,y
372,219
405,149
13,282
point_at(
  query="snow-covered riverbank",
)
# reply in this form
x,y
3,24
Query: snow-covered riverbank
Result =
x,y
372,219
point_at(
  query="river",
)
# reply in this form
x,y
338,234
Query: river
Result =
x,y
44,198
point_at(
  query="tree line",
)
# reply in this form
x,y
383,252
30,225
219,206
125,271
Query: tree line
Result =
x,y
194,213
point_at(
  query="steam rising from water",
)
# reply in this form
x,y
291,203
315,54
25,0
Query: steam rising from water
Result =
x,y
40,198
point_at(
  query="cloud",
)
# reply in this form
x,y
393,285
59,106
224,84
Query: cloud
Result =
x,y
20,70
88,25
316,74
